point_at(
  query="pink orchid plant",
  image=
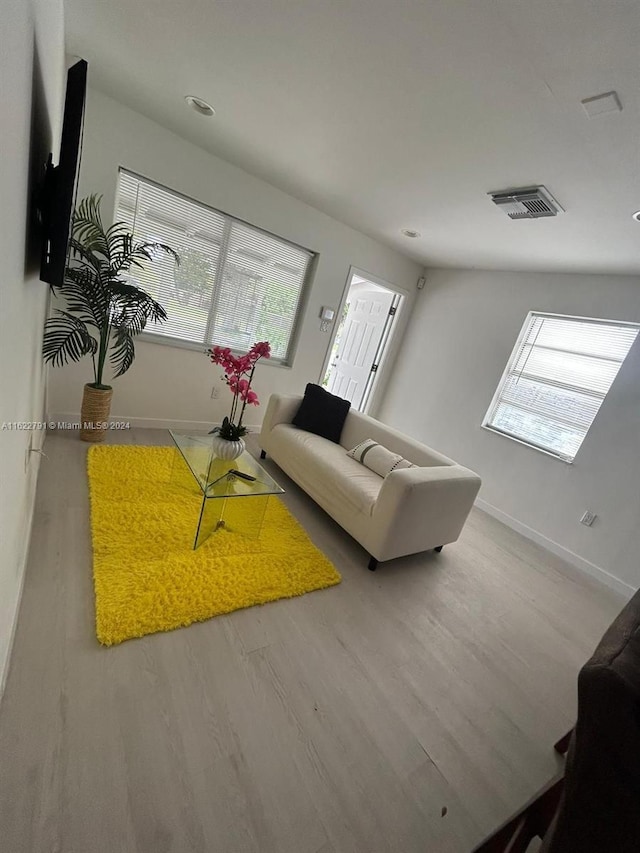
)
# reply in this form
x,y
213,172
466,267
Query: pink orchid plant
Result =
x,y
238,374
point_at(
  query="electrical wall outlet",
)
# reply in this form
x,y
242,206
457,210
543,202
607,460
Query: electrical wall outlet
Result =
x,y
215,392
588,518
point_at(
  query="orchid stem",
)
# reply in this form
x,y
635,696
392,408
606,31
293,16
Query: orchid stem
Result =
x,y
244,404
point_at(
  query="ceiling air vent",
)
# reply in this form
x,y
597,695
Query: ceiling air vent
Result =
x,y
526,203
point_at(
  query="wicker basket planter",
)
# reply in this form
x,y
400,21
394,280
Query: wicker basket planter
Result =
x,y
94,417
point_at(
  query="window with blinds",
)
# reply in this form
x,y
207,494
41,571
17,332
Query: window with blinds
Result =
x,y
235,284
556,380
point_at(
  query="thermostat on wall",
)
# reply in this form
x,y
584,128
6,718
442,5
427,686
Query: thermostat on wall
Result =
x,y
327,313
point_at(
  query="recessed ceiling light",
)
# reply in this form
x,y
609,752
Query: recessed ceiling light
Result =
x,y
409,232
200,106
636,215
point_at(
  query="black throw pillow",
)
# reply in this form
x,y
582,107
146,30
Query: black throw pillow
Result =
x,y
322,413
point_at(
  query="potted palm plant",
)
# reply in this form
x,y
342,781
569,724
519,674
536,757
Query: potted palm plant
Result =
x,y
104,310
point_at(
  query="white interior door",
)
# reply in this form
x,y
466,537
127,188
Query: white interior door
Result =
x,y
361,335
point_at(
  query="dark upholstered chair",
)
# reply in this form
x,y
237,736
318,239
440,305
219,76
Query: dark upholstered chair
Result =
x,y
595,808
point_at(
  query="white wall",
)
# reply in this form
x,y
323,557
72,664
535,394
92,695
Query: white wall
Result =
x,y
168,385
461,334
32,74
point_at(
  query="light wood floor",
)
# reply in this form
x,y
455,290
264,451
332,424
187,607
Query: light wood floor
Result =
x,y
344,721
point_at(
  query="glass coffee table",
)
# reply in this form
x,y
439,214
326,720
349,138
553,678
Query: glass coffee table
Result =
x,y
222,484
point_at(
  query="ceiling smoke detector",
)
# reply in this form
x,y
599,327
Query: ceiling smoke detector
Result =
x,y
409,232
200,106
526,203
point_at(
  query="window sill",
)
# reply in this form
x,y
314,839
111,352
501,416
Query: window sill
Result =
x,y
528,444
180,343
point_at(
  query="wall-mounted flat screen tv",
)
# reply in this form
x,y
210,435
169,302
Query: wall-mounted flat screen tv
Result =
x,y
58,191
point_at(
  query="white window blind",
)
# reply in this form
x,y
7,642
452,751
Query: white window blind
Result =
x,y
235,284
560,371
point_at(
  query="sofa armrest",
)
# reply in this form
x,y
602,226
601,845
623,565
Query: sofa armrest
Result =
x,y
422,508
281,409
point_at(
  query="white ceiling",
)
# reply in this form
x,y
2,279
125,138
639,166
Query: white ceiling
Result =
x,y
392,114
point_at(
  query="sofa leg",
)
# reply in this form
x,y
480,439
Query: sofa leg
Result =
x,y
263,454
439,548
373,564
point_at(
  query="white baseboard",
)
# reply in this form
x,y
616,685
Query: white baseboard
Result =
x,y
146,423
576,560
22,570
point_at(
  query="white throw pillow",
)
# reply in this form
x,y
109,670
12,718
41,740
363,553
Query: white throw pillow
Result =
x,y
377,458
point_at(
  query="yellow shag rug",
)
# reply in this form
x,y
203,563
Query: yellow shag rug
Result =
x,y
147,577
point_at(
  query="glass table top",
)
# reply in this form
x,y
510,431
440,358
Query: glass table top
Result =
x,y
215,477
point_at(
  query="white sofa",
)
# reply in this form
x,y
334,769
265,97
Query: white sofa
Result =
x,y
410,510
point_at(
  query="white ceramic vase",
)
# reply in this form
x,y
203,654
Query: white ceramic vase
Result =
x,y
225,449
